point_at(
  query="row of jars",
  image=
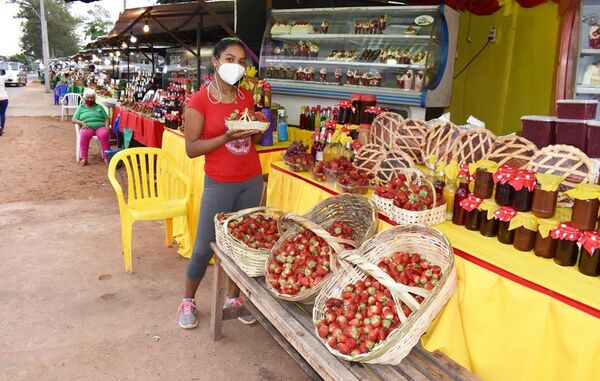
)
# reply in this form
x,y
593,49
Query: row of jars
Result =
x,y
547,237
526,191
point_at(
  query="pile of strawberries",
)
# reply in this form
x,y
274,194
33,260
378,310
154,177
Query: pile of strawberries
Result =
x,y
366,313
340,164
303,261
355,182
409,195
254,115
259,232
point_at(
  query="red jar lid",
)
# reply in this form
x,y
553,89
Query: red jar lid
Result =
x,y
356,97
505,214
504,174
590,241
345,104
368,98
470,203
464,172
523,178
566,231
374,110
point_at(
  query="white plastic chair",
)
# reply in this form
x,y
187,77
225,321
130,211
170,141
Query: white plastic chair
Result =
x,y
69,102
149,96
78,140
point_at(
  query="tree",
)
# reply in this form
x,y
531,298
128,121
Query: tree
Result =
x,y
24,59
62,38
97,22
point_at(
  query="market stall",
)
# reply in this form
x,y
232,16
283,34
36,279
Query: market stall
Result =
x,y
509,304
147,131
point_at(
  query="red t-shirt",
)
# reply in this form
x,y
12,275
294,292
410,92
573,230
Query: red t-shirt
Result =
x,y
237,160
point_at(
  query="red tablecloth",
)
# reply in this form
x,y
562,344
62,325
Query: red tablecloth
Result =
x,y
145,130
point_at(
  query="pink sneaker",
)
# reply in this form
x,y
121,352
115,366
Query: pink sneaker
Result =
x,y
187,314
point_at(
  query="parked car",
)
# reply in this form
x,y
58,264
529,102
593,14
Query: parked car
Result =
x,y
15,73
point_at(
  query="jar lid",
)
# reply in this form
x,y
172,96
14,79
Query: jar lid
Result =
x,y
523,178
545,225
504,174
526,220
505,213
571,121
539,118
374,110
345,104
470,203
577,101
590,241
584,191
356,97
464,172
593,123
488,165
489,205
368,97
565,231
548,182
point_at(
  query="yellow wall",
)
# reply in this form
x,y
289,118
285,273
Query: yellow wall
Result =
x,y
514,76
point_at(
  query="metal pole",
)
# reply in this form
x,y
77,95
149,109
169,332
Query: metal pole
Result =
x,y
45,54
199,27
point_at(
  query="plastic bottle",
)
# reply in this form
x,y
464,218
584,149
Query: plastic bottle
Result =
x,y
282,128
327,151
448,194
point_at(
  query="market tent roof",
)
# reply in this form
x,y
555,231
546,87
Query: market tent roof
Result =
x,y
173,24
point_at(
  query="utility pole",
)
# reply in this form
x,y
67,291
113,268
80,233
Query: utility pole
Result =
x,y
45,53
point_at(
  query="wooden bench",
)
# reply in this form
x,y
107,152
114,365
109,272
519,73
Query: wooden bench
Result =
x,y
291,326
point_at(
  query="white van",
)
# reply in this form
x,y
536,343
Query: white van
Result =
x,y
15,73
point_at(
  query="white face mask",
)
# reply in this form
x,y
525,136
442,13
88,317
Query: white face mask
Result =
x,y
231,73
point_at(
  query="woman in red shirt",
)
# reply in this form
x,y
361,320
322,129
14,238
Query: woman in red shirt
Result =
x,y
233,176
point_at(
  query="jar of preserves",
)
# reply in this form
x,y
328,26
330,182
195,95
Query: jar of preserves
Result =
x,y
504,191
525,226
545,195
357,107
566,247
472,215
346,112
585,205
484,182
504,215
488,226
458,213
545,246
589,260
368,103
524,184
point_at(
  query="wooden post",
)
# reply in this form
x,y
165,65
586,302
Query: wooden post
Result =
x,y
218,297
199,27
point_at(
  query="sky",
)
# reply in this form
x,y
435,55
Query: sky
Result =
x,y
10,29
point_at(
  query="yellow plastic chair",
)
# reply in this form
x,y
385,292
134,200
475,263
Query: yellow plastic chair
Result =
x,y
156,190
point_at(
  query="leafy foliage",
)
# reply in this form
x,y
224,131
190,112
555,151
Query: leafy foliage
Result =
x,y
62,38
97,22
22,58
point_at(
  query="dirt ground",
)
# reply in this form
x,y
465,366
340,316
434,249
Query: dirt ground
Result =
x,y
68,311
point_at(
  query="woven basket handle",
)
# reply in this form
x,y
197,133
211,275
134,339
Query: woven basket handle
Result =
x,y
398,289
243,212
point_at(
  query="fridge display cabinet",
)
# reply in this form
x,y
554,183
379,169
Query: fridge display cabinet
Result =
x,y
587,79
403,54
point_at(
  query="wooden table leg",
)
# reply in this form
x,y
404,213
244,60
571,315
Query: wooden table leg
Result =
x,y
218,296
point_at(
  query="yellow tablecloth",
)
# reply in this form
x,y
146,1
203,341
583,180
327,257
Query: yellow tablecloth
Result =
x,y
515,316
174,143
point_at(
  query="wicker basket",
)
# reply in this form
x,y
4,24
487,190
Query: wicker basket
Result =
x,y
245,124
434,216
357,211
251,261
355,265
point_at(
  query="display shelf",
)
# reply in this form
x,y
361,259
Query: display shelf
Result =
x,y
590,52
355,38
344,63
416,10
335,91
591,90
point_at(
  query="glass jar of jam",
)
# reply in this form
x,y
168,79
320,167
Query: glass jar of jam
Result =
x,y
472,216
488,226
504,191
585,205
356,101
345,112
545,246
504,215
368,104
458,213
566,246
525,226
589,260
484,182
524,184
545,195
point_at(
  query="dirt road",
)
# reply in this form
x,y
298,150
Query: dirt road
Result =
x,y
68,311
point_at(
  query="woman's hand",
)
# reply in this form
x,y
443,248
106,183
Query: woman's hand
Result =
x,y
84,126
237,135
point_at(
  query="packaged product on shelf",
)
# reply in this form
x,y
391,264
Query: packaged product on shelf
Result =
x,y
523,183
525,226
545,195
566,247
592,148
579,109
541,130
472,215
504,215
572,132
419,79
585,205
462,192
489,225
589,260
545,245
595,36
484,181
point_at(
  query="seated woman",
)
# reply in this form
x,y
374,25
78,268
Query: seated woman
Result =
x,y
93,121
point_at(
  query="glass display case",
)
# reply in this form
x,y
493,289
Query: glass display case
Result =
x,y
402,54
587,81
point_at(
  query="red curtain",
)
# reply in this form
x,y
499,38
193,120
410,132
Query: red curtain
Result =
x,y
487,7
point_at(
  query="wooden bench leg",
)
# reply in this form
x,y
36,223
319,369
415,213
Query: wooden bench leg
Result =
x,y
218,296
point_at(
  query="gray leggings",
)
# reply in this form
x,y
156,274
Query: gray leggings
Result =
x,y
219,197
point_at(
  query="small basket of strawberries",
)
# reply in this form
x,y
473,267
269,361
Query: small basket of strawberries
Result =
x,y
248,236
385,295
297,158
410,199
354,182
247,120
